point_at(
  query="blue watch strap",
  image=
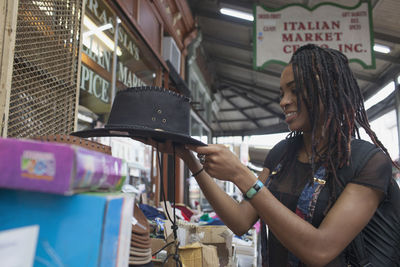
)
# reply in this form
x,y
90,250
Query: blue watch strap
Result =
x,y
253,190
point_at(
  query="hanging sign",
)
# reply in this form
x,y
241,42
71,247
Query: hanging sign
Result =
x,y
279,32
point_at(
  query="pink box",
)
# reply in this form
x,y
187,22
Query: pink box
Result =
x,y
57,168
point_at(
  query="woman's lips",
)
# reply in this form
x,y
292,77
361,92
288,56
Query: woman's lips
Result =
x,y
290,116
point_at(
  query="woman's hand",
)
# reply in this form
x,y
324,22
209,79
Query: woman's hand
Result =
x,y
220,162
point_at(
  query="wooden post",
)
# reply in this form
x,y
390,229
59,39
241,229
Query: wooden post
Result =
x,y
8,28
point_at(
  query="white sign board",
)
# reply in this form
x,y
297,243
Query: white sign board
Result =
x,y
279,32
18,246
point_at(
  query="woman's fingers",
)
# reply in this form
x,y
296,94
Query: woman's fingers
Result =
x,y
210,149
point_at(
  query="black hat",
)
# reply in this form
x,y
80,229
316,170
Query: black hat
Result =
x,y
148,111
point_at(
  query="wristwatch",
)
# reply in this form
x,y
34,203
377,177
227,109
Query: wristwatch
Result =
x,y
253,190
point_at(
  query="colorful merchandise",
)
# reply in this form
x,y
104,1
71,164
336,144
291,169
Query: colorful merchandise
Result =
x,y
57,168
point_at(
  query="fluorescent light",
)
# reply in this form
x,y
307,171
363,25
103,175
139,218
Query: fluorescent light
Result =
x,y
380,95
84,118
236,13
100,34
381,48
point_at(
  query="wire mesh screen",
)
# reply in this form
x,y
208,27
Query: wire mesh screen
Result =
x,y
44,79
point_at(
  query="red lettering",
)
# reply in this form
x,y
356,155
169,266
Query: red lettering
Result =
x,y
301,27
325,26
298,38
287,37
308,37
358,48
355,27
286,49
336,24
289,49
328,36
338,35
318,36
290,26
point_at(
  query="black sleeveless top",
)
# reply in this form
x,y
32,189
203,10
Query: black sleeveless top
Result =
x,y
288,185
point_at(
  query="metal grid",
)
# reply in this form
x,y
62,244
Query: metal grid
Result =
x,y
44,81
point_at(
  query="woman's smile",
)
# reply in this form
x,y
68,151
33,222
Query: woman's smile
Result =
x,y
290,116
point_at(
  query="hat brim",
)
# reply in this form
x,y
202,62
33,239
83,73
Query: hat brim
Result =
x,y
134,243
158,135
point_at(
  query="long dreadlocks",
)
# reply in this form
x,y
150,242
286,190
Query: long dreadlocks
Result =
x,y
325,80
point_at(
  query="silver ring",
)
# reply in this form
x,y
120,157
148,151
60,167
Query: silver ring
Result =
x,y
202,158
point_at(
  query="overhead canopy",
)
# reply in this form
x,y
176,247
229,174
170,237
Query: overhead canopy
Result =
x,y
249,98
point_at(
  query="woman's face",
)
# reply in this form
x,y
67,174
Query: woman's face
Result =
x,y
297,120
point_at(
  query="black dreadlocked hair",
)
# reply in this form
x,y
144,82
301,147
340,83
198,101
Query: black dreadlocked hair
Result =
x,y
325,80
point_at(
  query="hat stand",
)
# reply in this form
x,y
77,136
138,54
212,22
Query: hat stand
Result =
x,y
174,226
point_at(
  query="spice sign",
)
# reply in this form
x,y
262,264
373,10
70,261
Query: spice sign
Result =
x,y
279,32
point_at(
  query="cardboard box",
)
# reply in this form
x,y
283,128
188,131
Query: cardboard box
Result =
x,y
219,236
157,244
57,168
196,255
81,230
199,255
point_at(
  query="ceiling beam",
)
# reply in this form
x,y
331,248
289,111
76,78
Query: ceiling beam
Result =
x,y
241,111
382,107
249,91
386,37
388,58
262,105
390,74
211,39
250,85
216,121
233,109
245,66
243,120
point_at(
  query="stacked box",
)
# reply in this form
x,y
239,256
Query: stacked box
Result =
x,y
57,168
81,230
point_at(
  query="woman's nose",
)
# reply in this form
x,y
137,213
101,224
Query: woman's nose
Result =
x,y
285,101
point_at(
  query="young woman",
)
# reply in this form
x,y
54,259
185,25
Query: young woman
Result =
x,y
322,104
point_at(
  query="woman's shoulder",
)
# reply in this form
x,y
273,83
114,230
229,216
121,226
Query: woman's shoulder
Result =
x,y
369,166
362,151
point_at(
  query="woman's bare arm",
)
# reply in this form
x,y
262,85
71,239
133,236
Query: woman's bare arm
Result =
x,y
313,246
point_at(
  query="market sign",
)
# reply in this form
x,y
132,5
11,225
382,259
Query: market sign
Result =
x,y
279,32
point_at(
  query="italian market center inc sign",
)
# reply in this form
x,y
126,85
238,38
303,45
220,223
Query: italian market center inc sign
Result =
x,y
279,32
